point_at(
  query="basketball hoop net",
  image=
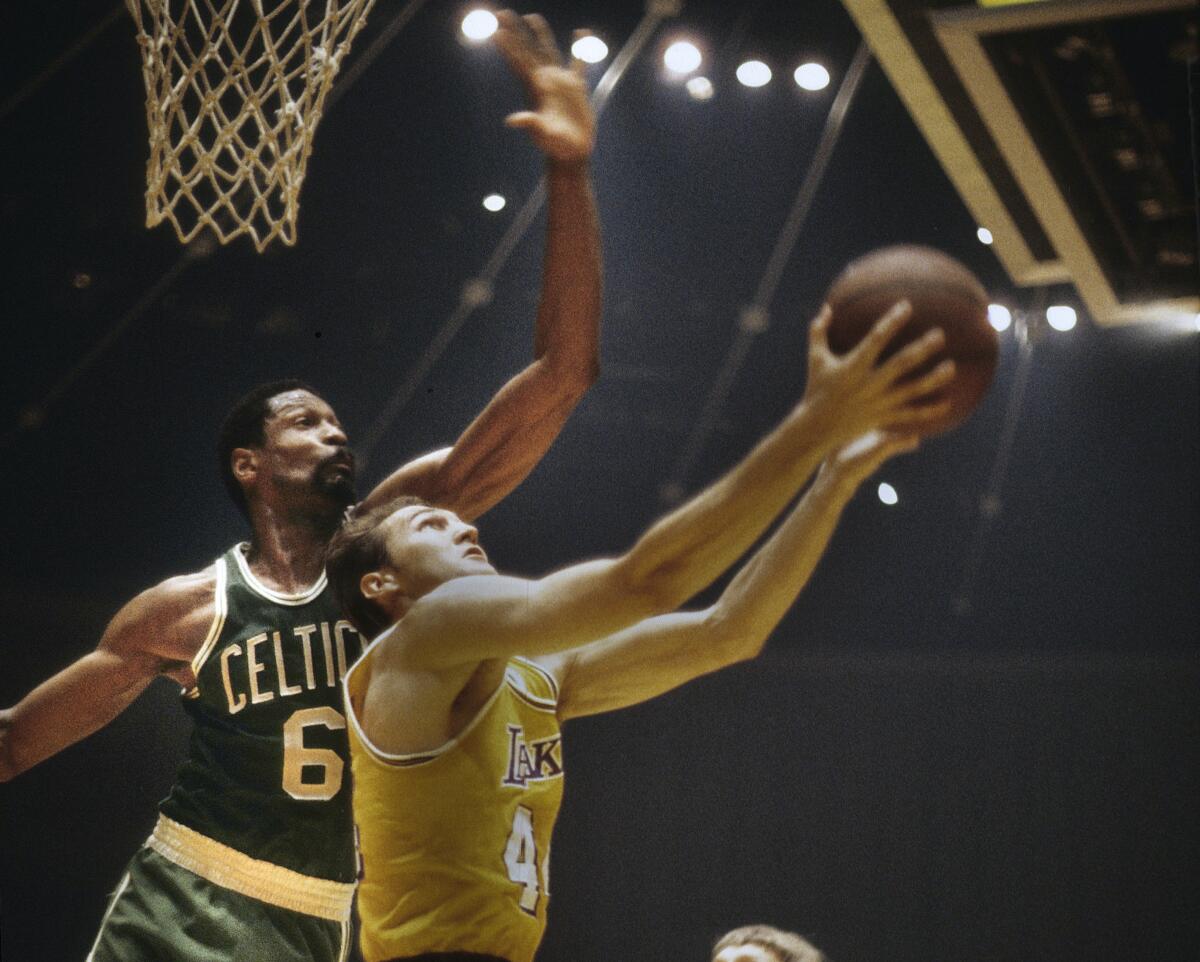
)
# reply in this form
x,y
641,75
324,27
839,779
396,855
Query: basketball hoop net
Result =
x,y
234,92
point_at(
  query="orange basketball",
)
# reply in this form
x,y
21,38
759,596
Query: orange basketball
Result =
x,y
944,294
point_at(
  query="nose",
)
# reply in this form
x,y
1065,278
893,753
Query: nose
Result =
x,y
334,435
467,533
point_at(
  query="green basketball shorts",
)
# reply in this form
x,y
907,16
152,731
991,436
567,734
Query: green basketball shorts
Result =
x,y
162,912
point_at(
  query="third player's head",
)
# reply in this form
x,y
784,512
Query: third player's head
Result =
x,y
764,943
281,446
381,561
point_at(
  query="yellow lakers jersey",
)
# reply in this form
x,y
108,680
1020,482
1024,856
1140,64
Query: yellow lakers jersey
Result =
x,y
455,843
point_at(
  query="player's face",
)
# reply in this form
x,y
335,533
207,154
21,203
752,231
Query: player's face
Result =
x,y
745,953
305,448
429,546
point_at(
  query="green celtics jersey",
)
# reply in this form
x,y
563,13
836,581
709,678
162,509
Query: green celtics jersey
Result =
x,y
267,771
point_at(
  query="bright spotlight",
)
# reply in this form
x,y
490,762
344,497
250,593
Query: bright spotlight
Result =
x,y
700,88
589,49
479,25
754,73
984,235
999,316
887,494
1060,317
494,202
812,76
682,57
1196,323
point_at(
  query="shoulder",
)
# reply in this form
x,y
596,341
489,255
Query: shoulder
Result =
x,y
171,618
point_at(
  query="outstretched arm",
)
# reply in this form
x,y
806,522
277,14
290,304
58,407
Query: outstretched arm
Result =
x,y
468,620
661,653
139,644
512,434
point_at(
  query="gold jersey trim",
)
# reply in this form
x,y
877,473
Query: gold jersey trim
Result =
x,y
220,611
248,876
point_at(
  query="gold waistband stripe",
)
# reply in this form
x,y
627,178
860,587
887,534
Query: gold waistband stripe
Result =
x,y
252,877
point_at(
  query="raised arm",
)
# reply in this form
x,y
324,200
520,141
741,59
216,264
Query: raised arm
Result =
x,y
150,636
661,653
468,620
512,434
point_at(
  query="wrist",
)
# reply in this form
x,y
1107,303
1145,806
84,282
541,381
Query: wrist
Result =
x,y
567,170
822,423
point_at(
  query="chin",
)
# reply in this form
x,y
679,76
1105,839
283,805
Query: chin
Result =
x,y
340,490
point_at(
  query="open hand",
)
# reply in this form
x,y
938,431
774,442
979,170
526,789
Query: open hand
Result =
x,y
858,394
561,121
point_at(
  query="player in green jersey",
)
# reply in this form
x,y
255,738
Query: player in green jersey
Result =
x,y
252,856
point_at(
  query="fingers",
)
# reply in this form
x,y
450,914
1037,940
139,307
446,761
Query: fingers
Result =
x,y
818,331
578,67
913,355
514,44
916,416
523,120
543,36
928,383
882,333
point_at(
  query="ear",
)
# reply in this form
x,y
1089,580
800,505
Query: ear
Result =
x,y
376,584
244,463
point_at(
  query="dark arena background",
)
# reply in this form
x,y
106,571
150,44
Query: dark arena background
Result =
x,y
975,738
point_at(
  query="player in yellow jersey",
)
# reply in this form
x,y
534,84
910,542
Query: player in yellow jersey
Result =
x,y
454,708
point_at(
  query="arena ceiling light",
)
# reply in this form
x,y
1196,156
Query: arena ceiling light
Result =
x,y
1060,317
887,494
682,57
478,25
984,235
999,316
754,73
494,202
589,49
811,76
700,88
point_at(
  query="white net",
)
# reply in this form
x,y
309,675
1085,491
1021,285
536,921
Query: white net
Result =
x,y
234,92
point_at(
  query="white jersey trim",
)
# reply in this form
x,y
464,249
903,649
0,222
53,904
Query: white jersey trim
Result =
x,y
546,704
252,582
220,611
391,759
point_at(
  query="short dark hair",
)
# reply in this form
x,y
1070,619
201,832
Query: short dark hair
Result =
x,y
788,946
356,548
243,428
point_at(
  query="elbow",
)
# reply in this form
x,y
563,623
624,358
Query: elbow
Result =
x,y
8,769
731,640
575,378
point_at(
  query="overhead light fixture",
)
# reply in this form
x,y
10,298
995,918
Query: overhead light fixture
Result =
x,y
700,88
984,235
682,57
1060,317
811,76
494,202
999,316
887,494
754,73
478,25
589,49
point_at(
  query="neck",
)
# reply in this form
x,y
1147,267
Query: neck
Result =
x,y
288,554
